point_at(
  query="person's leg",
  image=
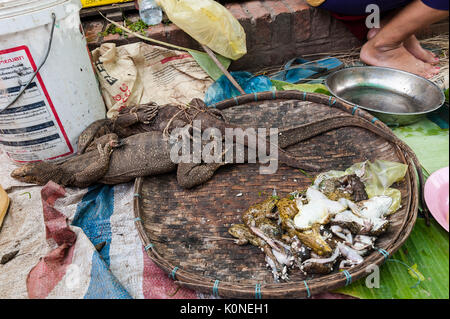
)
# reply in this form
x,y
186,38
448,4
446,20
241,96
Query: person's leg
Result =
x,y
386,47
411,44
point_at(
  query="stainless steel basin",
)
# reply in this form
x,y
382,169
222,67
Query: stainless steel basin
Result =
x,y
395,97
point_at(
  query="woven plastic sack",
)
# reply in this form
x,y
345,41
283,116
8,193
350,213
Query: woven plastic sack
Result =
x,y
209,23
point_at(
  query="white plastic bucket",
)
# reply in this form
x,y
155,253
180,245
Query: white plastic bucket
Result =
x,y
63,99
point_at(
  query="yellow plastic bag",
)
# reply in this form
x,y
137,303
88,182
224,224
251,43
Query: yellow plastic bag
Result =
x,y
95,3
209,23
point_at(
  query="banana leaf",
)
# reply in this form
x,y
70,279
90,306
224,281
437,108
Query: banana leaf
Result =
x,y
207,64
426,252
428,141
306,87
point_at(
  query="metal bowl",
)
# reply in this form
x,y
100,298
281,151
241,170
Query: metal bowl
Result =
x,y
393,96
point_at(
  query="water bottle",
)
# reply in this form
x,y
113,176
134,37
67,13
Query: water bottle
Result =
x,y
150,12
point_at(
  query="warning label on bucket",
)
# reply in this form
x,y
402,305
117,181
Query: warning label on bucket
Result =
x,y
30,129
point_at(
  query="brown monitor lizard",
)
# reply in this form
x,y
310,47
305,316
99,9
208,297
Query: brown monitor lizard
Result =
x,y
114,162
148,153
165,118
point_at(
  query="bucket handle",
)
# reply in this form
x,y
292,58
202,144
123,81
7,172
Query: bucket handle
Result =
x,y
38,69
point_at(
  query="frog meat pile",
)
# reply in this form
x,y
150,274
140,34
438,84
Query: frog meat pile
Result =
x,y
331,225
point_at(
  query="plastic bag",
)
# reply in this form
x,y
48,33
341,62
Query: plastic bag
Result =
x,y
209,23
95,3
222,89
377,177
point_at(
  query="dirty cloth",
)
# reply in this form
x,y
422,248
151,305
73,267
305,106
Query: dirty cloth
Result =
x,y
140,73
56,234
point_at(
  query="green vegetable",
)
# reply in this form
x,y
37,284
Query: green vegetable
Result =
x,y
112,29
138,26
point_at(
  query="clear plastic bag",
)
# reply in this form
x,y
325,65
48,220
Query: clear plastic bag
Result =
x,y
209,23
377,177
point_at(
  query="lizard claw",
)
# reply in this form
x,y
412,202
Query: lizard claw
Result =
x,y
100,149
106,150
145,113
116,143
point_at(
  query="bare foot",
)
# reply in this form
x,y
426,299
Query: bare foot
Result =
x,y
413,46
395,57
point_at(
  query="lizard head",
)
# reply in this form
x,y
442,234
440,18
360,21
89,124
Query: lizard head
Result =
x,y
33,173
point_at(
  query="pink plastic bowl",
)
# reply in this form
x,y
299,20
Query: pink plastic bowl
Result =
x,y
436,196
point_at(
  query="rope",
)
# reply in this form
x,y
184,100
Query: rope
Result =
x,y
183,109
409,268
174,271
307,289
258,294
348,276
331,103
384,253
386,258
216,288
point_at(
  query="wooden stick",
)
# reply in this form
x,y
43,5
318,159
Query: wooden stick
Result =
x,y
140,36
222,68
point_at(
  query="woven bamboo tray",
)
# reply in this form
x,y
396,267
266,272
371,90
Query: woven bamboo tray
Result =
x,y
185,231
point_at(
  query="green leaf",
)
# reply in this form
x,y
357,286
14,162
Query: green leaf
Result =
x,y
207,64
428,248
428,141
306,87
313,88
279,84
